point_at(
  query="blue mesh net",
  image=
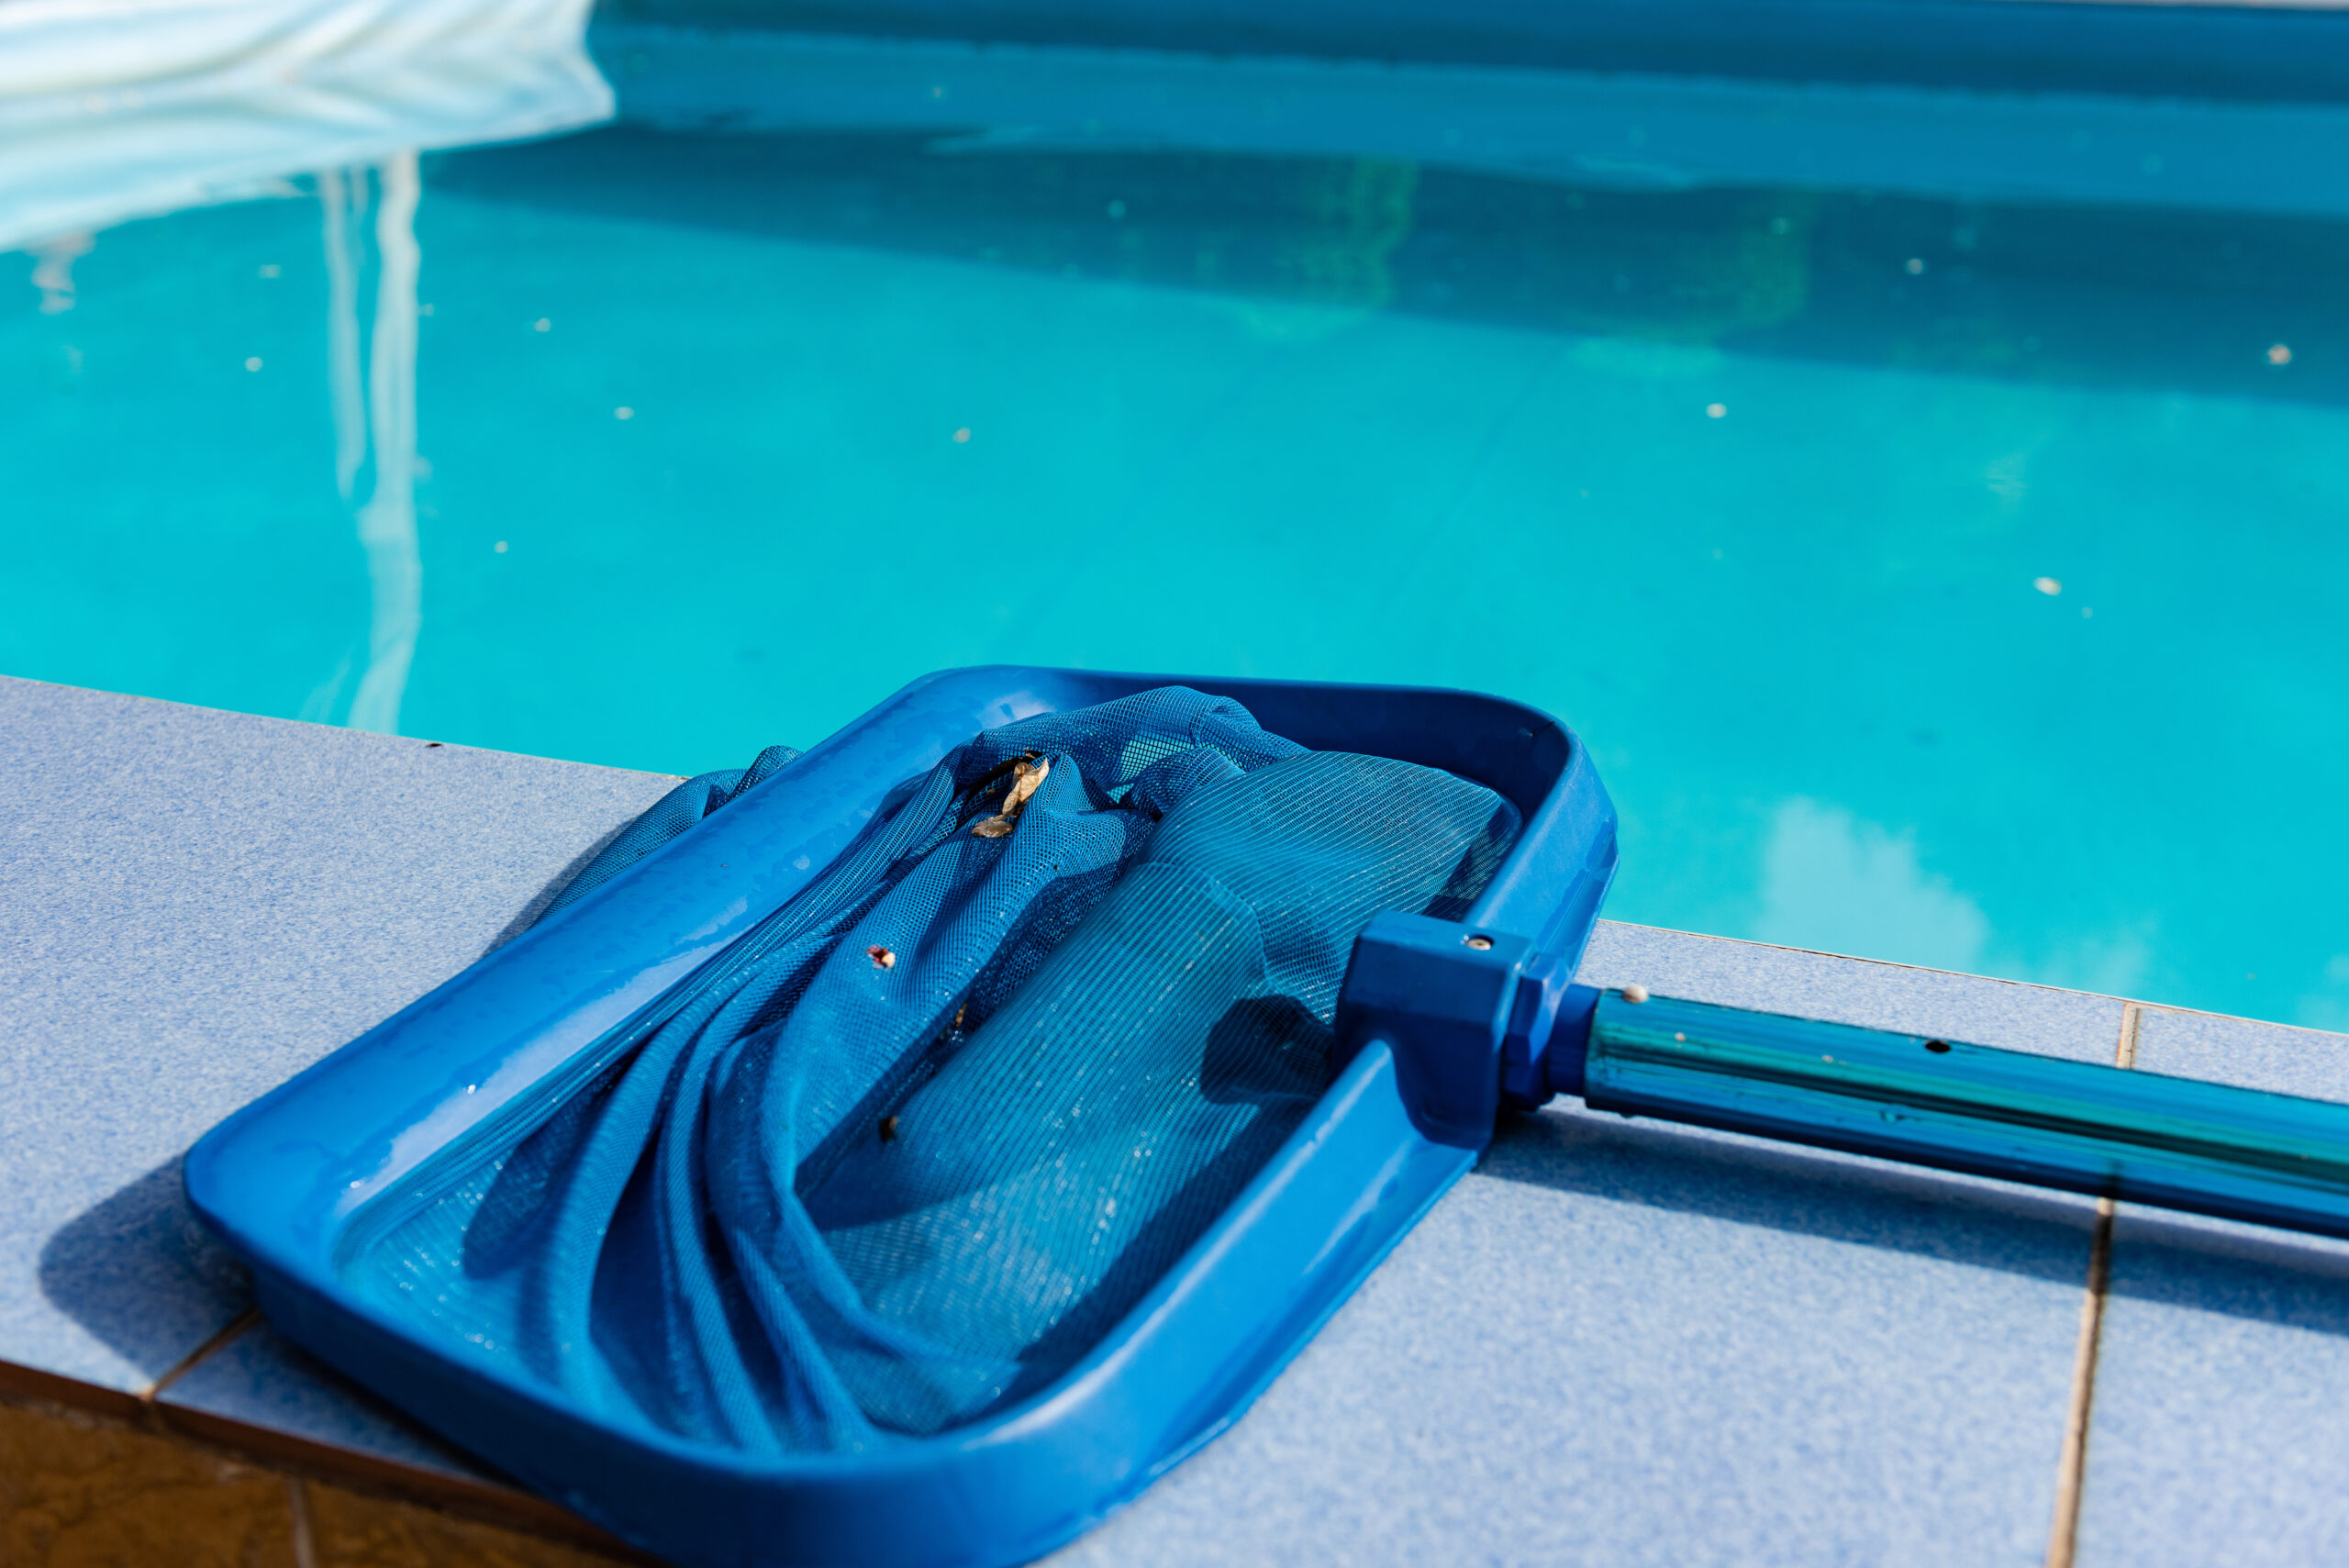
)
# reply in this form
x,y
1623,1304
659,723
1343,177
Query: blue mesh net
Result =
x,y
914,1145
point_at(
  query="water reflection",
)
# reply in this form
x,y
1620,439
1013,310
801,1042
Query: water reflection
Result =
x,y
53,270
1830,880
340,200
388,523
1751,478
134,111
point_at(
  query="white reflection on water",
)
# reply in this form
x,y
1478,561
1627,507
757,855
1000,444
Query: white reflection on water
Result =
x,y
341,199
2327,1008
1837,883
53,270
113,110
118,109
1830,880
387,522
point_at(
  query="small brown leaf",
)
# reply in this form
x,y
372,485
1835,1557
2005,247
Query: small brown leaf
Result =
x,y
1025,780
888,1129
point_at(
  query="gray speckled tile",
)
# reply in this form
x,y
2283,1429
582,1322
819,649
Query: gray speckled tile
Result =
x,y
264,1380
2225,1352
2240,1050
1625,1342
1619,1344
199,904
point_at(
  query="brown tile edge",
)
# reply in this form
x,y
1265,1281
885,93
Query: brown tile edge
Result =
x,y
483,1501
24,1385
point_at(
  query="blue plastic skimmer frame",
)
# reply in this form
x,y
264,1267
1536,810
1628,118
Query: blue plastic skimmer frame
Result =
x,y
303,1181
1440,1025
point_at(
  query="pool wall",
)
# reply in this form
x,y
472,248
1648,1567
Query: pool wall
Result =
x,y
2251,53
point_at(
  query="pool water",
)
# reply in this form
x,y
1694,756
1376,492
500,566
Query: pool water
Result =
x,y
1935,575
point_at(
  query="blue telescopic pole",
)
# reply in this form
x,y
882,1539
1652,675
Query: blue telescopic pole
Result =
x,y
2118,1133
1479,1021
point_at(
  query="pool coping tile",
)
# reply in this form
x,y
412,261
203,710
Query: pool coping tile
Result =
x,y
205,903
2222,1350
1699,1325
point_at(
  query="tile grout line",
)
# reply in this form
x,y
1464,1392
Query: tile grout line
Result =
x,y
188,1363
2124,1052
305,1532
2071,1468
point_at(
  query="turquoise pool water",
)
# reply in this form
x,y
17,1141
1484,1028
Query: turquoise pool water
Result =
x,y
1936,575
